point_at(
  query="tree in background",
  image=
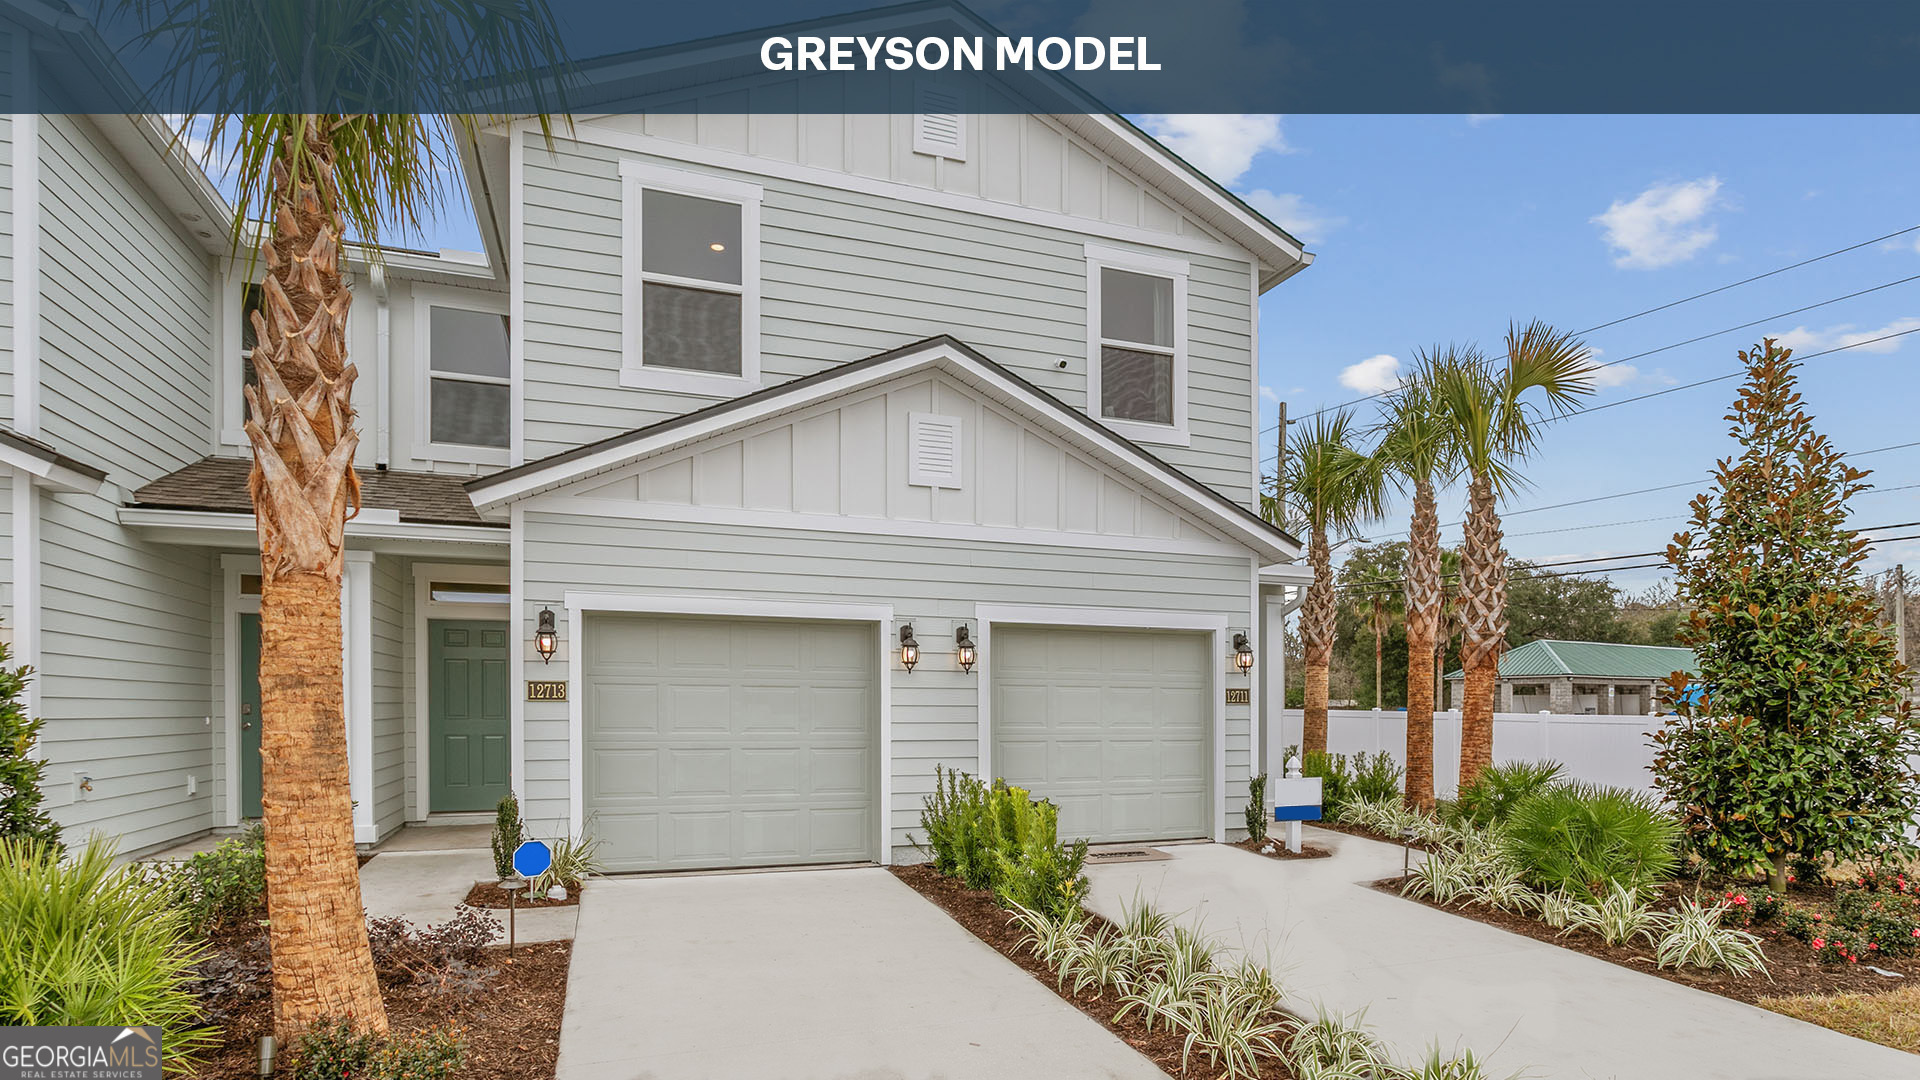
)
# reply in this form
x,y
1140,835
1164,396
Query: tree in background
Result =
x,y
1333,489
1419,451
21,774
1496,424
1800,742
313,179
1563,607
1370,638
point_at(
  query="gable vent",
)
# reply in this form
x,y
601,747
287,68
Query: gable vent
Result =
x,y
933,450
939,124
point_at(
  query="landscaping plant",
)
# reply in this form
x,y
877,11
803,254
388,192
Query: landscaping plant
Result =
x,y
84,943
21,772
575,858
1257,808
1492,796
1335,780
1799,741
1587,839
222,888
1694,937
507,835
333,1050
1619,917
997,838
1376,777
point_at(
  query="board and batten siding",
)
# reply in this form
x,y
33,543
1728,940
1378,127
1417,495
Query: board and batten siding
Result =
x,y
934,584
845,275
126,386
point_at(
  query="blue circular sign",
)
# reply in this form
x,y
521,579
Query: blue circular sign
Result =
x,y
532,858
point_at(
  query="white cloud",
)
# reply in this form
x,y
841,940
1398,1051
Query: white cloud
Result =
x,y
1802,340
1663,225
1614,375
1478,118
1374,375
1222,145
1267,393
1295,214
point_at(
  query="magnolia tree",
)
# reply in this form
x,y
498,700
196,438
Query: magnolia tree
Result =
x,y
1798,741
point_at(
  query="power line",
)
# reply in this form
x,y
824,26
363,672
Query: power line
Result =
x,y
1685,300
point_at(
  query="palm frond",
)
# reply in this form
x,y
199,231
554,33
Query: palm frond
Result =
x,y
1336,487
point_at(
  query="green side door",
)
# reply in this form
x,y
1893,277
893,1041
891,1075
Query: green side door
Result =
x,y
250,716
468,751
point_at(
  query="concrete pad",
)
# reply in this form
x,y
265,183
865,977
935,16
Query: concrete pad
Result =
x,y
843,974
425,887
431,837
1427,977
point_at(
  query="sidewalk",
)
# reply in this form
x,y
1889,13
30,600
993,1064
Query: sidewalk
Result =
x,y
423,874
1426,977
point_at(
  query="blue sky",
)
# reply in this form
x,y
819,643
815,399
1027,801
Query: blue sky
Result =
x,y
1431,229
1444,228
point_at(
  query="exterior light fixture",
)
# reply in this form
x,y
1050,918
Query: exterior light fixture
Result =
x,y
546,639
964,649
1243,653
717,247
909,648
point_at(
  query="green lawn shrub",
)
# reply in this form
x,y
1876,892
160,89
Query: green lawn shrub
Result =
x,y
996,837
1376,777
1491,797
335,1050
223,888
507,834
1586,839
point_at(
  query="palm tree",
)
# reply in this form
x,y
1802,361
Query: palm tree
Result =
x,y
1418,451
1334,490
1488,409
313,179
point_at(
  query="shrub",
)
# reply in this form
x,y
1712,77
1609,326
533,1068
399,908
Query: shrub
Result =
x,y
83,943
1800,924
1336,781
1376,778
334,1050
1257,808
1695,938
1491,797
1619,917
958,828
574,859
447,954
999,839
507,834
21,773
1889,922
1585,839
222,888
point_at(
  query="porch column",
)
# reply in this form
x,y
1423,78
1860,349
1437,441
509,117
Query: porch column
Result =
x,y
356,637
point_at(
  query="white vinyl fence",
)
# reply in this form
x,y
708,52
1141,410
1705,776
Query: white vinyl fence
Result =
x,y
1611,750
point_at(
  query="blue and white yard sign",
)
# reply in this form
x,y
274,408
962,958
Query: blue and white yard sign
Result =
x,y
1296,798
533,857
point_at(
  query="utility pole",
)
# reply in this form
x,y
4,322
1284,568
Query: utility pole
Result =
x,y
1900,612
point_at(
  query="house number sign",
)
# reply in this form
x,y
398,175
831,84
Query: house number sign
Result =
x,y
546,690
1239,696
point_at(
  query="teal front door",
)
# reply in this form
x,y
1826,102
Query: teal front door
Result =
x,y
466,714
250,716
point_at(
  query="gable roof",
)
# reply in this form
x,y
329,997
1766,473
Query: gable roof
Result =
x,y
219,484
943,353
1599,659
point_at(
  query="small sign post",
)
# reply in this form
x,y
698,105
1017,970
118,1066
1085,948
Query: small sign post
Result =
x,y
1296,798
531,859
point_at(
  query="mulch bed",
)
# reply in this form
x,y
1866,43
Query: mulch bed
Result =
x,y
509,1010
1792,964
1274,848
981,915
486,894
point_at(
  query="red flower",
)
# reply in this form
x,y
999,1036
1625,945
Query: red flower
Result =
x,y
1819,943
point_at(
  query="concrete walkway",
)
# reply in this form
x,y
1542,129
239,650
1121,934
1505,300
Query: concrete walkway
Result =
x,y
1426,977
426,878
808,975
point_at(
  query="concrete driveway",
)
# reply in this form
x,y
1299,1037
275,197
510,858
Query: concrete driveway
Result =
x,y
1427,977
841,973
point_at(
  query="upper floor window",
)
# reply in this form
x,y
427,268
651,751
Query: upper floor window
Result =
x,y
1137,344
692,280
468,381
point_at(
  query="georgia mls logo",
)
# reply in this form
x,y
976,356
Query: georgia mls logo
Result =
x,y
80,1053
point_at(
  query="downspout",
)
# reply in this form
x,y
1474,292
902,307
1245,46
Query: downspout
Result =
x,y
382,357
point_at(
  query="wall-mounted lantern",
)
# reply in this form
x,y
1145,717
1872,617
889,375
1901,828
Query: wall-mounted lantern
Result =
x,y
909,648
1242,653
546,640
964,649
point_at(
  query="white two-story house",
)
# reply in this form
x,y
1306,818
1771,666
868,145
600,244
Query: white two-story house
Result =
x,y
763,462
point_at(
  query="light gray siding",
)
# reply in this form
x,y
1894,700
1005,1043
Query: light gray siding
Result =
x,y
126,642
935,584
845,275
6,239
390,704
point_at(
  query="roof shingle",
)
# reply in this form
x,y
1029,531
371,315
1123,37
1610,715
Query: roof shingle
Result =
x,y
220,484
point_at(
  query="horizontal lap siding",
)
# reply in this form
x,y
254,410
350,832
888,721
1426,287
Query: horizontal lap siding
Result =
x,y
389,693
127,632
6,248
845,275
935,584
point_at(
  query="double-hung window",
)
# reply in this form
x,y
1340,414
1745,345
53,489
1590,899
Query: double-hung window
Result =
x,y
691,314
467,399
1137,344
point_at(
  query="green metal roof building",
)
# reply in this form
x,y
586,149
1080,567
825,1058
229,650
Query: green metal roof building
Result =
x,y
1594,677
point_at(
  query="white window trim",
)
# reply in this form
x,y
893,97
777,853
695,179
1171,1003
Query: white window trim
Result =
x,y
425,299
1100,257
228,358
636,177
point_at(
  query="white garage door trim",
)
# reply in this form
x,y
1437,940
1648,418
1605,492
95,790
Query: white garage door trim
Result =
x,y
580,604
1113,619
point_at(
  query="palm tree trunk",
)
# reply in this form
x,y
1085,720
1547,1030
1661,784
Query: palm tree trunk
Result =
x,y
1316,639
1423,623
303,486
1483,572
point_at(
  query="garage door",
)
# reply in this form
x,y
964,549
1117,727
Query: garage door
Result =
x,y
1114,726
713,743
